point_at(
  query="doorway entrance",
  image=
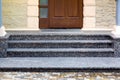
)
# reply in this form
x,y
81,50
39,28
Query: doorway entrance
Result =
x,y
61,14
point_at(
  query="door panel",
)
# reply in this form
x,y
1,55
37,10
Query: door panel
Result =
x,y
73,8
74,17
57,14
59,8
66,14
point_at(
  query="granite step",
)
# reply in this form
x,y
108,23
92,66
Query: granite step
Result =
x,y
60,44
61,63
59,37
61,52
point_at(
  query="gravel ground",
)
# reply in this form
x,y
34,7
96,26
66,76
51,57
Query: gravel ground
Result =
x,y
58,76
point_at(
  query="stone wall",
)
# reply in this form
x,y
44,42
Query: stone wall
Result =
x,y
23,14
105,13
20,14
15,13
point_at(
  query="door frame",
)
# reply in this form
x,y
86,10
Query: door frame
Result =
x,y
87,6
44,20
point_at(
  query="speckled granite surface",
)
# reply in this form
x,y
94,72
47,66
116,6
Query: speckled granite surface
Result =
x,y
3,46
60,44
89,50
60,63
117,47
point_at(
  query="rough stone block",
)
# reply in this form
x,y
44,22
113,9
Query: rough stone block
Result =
x,y
105,13
3,46
117,47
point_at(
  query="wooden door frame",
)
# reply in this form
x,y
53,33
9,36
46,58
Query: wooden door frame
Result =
x,y
45,20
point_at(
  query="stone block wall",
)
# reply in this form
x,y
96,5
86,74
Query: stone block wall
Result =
x,y
23,14
14,13
105,13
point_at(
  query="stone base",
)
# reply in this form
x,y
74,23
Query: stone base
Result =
x,y
116,31
3,46
2,31
116,40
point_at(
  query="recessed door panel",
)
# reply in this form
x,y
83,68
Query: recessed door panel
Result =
x,y
73,8
59,7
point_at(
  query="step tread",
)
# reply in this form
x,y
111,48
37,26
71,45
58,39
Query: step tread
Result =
x,y
60,32
60,49
59,41
60,63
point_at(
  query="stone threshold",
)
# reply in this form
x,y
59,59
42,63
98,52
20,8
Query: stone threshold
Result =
x,y
60,32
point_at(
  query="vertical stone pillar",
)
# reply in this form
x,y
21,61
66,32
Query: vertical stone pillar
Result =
x,y
89,13
0,14
2,29
33,13
3,38
118,14
116,33
117,27
117,46
3,46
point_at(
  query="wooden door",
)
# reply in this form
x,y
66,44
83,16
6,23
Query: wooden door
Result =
x,y
65,14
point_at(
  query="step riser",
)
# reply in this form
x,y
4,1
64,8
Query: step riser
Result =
x,y
60,45
60,54
60,37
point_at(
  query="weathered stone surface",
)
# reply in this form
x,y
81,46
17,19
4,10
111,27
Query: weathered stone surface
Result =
x,y
105,13
58,76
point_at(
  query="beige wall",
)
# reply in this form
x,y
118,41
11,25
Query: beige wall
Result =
x,y
105,13
23,14
15,14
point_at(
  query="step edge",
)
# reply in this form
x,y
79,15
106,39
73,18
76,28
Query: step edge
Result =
x,y
59,41
60,50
